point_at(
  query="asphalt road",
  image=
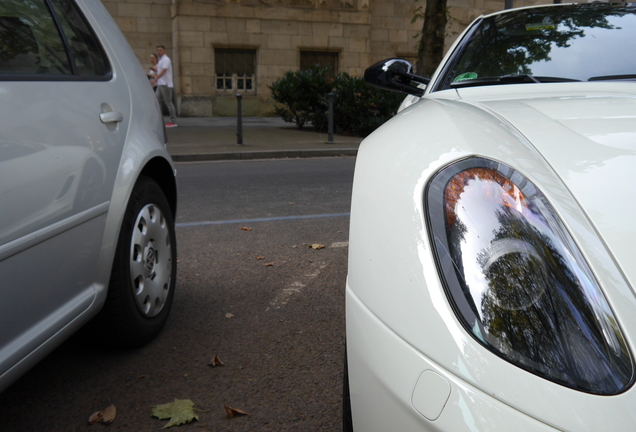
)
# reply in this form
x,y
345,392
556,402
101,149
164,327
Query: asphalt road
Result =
x,y
250,289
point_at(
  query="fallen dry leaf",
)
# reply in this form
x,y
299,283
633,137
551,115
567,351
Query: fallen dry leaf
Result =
x,y
317,246
216,361
269,264
258,257
106,416
229,315
246,228
231,412
181,411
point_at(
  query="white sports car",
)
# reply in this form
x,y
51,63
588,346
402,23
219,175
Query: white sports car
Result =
x,y
492,249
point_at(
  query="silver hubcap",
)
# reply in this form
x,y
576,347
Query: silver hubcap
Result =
x,y
150,261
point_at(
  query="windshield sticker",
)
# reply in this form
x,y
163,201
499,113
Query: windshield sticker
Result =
x,y
546,24
465,76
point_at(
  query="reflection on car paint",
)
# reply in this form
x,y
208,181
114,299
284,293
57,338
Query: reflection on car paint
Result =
x,y
41,183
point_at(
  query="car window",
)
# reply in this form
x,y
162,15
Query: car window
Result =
x,y
85,49
29,40
576,42
48,39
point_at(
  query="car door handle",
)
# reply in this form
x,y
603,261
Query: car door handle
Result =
x,y
111,117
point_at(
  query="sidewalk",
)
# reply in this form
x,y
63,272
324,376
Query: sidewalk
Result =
x,y
215,138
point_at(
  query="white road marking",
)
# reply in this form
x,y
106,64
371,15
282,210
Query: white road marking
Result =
x,y
296,287
339,244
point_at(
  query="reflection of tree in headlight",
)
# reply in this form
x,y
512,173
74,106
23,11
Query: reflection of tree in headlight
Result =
x,y
516,271
534,300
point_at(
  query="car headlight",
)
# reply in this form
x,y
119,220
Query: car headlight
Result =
x,y
518,282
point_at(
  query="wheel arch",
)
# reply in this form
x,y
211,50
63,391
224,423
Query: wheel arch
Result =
x,y
161,171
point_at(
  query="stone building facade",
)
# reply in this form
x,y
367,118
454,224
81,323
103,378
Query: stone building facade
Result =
x,y
223,47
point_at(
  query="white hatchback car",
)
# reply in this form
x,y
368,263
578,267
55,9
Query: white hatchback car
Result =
x,y
491,281
87,187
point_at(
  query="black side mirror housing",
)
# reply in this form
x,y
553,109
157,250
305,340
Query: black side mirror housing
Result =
x,y
395,75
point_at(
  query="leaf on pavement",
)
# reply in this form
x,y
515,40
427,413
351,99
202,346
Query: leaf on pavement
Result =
x,y
216,361
231,412
229,315
258,257
246,228
106,416
317,246
269,264
181,411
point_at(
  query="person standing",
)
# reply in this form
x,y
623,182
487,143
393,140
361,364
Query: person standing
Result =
x,y
152,72
165,86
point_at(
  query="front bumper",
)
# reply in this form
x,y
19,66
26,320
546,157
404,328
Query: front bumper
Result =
x,y
395,387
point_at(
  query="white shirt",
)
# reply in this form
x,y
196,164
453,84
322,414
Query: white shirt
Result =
x,y
165,79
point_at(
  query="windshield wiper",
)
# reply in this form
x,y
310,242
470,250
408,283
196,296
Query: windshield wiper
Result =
x,y
509,79
613,77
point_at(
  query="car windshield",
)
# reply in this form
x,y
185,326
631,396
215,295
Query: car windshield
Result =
x,y
549,44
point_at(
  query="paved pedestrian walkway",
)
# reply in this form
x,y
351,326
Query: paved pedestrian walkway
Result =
x,y
215,138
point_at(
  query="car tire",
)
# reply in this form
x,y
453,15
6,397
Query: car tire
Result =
x,y
347,420
143,276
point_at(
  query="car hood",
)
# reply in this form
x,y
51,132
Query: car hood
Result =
x,y
589,138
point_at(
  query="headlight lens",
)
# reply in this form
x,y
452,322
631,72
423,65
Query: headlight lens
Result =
x,y
517,280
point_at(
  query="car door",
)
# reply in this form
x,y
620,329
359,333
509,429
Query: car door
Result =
x,y
64,110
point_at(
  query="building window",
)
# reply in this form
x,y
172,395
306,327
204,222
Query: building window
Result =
x,y
320,58
235,69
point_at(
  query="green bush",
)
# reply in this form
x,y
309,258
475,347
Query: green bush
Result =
x,y
302,94
358,108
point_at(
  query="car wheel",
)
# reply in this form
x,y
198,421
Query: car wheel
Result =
x,y
347,420
143,278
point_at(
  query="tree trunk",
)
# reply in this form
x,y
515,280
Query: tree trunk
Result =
x,y
431,47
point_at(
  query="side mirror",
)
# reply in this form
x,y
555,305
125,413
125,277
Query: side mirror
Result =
x,y
395,75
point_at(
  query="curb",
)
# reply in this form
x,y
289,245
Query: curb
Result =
x,y
264,154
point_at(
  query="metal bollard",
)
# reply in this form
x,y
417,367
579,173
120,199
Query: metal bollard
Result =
x,y
239,119
330,127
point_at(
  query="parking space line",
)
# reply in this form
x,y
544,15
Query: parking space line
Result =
x,y
339,244
268,219
295,287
